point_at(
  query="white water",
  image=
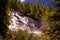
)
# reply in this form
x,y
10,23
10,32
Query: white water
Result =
x,y
19,21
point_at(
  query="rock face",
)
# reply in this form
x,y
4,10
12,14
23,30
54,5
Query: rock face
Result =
x,y
20,21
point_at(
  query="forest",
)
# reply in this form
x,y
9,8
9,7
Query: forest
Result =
x,y
35,11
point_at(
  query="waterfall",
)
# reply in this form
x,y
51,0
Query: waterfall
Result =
x,y
20,21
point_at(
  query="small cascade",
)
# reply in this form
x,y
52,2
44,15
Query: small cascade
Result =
x,y
22,22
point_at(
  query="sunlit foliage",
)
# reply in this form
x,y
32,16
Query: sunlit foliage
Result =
x,y
33,10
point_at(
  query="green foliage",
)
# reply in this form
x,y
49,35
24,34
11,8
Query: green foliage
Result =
x,y
23,35
54,19
29,9
4,16
33,10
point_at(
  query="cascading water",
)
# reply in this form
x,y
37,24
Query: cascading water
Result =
x,y
20,21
